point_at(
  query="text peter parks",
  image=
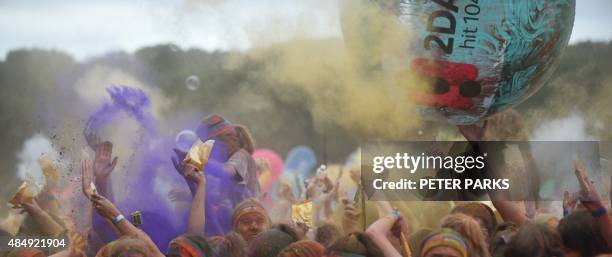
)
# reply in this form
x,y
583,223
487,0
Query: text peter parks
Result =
x,y
463,171
424,162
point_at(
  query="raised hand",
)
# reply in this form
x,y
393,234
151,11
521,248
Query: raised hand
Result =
x,y
301,228
400,227
334,192
41,217
474,132
103,166
87,177
591,201
588,195
78,244
104,207
351,215
191,173
569,200
384,226
30,207
335,187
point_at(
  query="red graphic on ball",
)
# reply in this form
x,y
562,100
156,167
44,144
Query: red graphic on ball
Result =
x,y
453,84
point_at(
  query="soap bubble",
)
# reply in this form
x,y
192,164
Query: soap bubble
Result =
x,y
185,139
192,82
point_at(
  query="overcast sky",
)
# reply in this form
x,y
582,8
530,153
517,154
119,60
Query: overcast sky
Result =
x,y
87,28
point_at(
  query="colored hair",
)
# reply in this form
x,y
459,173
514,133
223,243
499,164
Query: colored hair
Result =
x,y
537,240
581,233
230,245
238,138
303,248
471,231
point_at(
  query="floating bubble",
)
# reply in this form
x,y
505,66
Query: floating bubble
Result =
x,y
192,82
185,139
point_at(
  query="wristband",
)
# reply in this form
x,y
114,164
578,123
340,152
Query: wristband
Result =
x,y
599,212
118,219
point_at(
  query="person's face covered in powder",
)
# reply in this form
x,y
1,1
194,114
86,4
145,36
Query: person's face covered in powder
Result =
x,y
251,224
250,219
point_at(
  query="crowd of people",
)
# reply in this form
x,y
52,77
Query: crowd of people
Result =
x,y
335,226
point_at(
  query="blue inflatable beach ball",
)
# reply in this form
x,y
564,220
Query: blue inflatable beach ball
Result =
x,y
474,57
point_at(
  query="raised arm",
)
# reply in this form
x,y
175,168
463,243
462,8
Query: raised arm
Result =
x,y
512,211
109,211
591,201
42,218
214,168
392,224
103,166
197,215
509,210
98,224
350,216
177,161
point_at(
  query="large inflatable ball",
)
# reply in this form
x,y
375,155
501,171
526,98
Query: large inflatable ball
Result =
x,y
475,57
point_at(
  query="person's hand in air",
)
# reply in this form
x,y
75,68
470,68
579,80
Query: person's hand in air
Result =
x,y
474,132
191,173
104,207
103,165
587,195
87,177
